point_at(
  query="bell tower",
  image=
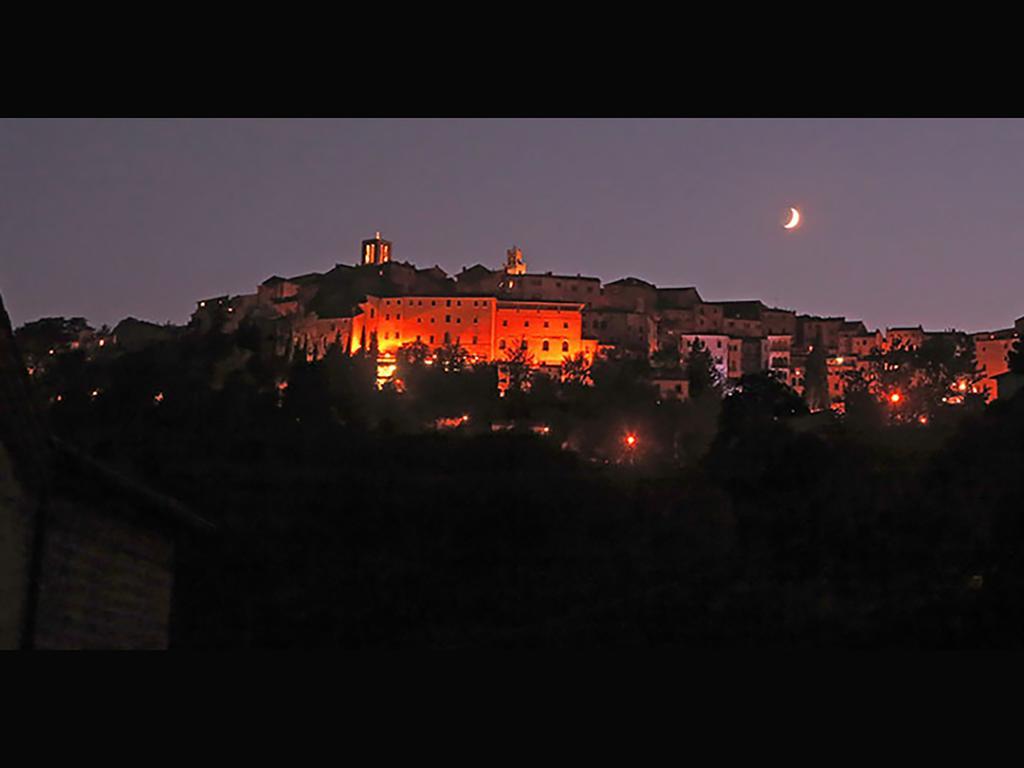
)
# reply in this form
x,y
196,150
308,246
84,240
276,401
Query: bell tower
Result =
x,y
376,251
514,262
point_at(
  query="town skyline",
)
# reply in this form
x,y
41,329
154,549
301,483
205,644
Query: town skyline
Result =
x,y
144,216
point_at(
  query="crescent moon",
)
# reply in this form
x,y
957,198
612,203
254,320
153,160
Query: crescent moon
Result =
x,y
794,219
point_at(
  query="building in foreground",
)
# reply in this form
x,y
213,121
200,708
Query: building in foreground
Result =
x,y
86,553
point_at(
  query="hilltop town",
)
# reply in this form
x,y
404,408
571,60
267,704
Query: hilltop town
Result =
x,y
573,460
385,304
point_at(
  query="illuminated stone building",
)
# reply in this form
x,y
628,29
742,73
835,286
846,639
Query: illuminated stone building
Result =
x,y
812,330
623,330
376,251
910,337
777,355
485,326
630,294
551,287
991,350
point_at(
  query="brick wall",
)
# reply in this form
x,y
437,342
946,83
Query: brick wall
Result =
x,y
106,581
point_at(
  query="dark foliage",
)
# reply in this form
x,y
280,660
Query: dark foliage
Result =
x,y
345,520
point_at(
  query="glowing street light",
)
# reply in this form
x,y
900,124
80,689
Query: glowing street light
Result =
x,y
895,398
631,440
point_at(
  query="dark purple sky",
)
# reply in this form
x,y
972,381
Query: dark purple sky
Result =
x,y
906,221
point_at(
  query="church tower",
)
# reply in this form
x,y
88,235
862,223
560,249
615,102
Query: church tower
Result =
x,y
376,251
514,262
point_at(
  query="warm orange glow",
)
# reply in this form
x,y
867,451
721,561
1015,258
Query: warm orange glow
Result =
x,y
158,398
95,393
102,342
923,419
962,386
895,397
51,351
631,440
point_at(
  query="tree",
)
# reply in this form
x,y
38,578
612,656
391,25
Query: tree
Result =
x,y
576,371
667,356
37,338
816,379
516,368
760,398
1015,357
701,371
451,358
412,354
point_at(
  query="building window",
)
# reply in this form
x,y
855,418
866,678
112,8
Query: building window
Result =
x,y
398,316
447,318
565,346
527,323
387,316
431,339
565,325
371,313
505,323
396,334
476,320
545,346
545,323
449,303
501,344
523,345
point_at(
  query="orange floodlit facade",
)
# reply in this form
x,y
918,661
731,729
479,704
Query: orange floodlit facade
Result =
x,y
488,328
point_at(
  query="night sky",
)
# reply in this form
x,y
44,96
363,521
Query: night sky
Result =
x,y
905,221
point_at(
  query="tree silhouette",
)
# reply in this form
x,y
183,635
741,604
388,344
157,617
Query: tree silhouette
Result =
x,y
576,371
816,378
701,371
1015,357
516,367
451,357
